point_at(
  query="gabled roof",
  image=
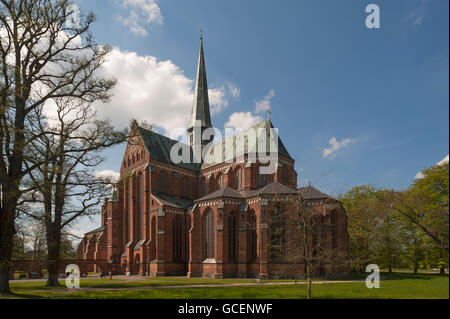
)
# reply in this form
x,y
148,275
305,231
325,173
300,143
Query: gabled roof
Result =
x,y
167,200
223,192
225,150
159,147
276,188
272,188
97,230
310,192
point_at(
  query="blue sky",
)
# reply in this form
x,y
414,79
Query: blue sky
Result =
x,y
382,94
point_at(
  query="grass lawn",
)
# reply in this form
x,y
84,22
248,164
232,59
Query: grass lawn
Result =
x,y
392,286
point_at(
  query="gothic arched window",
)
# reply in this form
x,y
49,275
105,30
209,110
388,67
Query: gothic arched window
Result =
x,y
209,234
141,206
238,178
220,181
263,179
333,230
254,243
153,238
163,182
284,177
177,247
232,238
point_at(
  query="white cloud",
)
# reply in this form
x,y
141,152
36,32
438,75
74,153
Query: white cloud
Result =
x,y
152,90
218,97
441,162
141,12
243,120
331,152
108,173
217,100
147,89
264,104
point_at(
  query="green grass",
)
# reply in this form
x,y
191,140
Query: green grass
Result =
x,y
120,283
393,286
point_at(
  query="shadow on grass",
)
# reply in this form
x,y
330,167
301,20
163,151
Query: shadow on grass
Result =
x,y
14,295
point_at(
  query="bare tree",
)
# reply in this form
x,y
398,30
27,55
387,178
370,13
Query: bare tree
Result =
x,y
41,57
65,183
301,234
37,239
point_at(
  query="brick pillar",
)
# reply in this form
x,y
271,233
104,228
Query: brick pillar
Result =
x,y
219,239
160,234
242,246
112,228
195,244
143,263
129,267
263,248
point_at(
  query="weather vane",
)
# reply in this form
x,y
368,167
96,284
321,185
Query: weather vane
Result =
x,y
201,33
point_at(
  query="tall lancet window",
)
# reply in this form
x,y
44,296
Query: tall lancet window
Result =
x,y
284,177
220,181
177,240
238,178
141,206
209,234
232,238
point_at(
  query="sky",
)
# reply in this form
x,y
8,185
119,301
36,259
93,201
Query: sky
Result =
x,y
353,105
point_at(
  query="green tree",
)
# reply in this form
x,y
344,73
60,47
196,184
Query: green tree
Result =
x,y
425,204
41,58
361,204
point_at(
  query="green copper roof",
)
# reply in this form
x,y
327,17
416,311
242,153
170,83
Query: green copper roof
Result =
x,y
215,156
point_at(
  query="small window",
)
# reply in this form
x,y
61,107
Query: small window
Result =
x,y
238,178
220,181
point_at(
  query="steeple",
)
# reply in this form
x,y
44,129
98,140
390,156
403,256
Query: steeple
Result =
x,y
200,114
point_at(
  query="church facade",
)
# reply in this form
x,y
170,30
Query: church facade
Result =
x,y
211,217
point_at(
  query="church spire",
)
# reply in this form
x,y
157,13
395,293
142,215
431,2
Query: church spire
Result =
x,y
200,108
200,114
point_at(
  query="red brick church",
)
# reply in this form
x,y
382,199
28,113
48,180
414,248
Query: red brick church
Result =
x,y
208,218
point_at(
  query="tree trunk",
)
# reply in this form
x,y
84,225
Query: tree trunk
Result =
x,y
6,239
4,282
53,264
416,266
308,296
390,269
